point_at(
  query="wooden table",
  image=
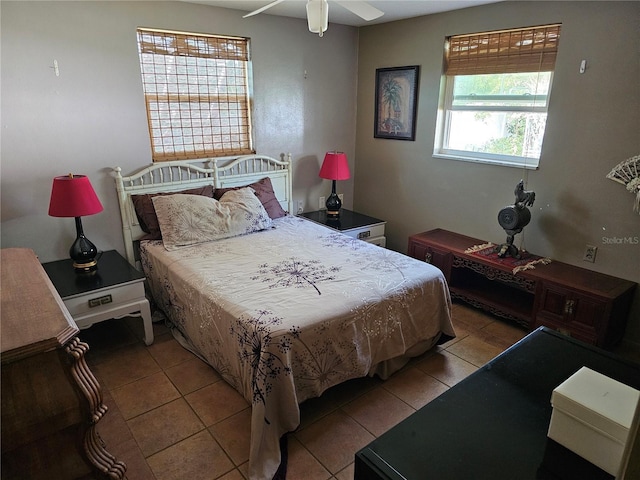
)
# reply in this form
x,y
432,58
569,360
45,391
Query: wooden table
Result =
x,y
51,401
590,306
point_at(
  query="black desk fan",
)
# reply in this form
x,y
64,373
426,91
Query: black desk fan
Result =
x,y
514,218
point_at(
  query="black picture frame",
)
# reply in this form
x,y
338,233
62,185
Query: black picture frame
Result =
x,y
396,102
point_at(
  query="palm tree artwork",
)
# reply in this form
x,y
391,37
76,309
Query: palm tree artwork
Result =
x,y
396,102
391,99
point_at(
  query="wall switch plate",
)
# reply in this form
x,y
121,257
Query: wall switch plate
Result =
x,y
590,254
322,203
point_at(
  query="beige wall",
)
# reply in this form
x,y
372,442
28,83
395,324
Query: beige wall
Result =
x,y
593,124
92,117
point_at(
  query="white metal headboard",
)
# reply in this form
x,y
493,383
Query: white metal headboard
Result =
x,y
181,175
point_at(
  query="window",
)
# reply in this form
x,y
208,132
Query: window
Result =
x,y
495,95
197,94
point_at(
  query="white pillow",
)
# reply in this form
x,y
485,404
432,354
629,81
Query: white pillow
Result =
x,y
191,219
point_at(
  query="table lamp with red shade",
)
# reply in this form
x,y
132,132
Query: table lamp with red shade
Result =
x,y
334,167
73,196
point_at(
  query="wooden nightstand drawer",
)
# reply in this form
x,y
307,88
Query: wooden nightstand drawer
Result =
x,y
366,233
379,241
104,299
114,290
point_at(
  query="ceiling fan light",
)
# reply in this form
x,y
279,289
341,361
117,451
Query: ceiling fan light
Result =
x,y
318,16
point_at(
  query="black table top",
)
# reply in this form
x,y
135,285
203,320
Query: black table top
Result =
x,y
493,425
348,219
112,270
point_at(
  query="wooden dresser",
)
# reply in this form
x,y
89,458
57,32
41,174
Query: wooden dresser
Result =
x,y
584,304
51,401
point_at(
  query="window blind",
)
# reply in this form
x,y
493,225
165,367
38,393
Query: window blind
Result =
x,y
531,49
197,94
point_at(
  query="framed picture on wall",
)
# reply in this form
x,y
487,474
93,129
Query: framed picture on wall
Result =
x,y
396,102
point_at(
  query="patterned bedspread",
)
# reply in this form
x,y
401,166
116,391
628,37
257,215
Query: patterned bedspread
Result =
x,y
285,313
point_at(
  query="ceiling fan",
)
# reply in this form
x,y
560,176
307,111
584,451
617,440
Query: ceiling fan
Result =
x,y
318,12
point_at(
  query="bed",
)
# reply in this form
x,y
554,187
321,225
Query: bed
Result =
x,y
285,309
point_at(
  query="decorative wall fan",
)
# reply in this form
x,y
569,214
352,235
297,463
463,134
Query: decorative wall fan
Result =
x,y
318,12
628,174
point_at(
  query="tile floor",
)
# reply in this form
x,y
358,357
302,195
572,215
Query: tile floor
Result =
x,y
172,417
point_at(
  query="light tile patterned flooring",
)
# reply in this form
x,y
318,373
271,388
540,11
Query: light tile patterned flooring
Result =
x,y
172,417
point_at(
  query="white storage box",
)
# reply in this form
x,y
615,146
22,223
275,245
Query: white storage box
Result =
x,y
592,416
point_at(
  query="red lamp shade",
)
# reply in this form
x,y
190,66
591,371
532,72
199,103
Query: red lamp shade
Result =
x,y
335,166
73,196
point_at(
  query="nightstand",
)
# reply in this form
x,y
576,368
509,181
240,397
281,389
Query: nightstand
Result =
x,y
352,224
114,290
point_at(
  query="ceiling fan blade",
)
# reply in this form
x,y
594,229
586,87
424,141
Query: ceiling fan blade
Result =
x,y
262,9
362,9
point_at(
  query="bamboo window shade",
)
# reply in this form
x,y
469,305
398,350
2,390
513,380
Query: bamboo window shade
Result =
x,y
197,94
531,49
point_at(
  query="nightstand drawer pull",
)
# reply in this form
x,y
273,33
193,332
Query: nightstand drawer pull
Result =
x,y
362,235
96,302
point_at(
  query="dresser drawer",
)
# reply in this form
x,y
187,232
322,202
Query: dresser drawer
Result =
x,y
365,233
104,299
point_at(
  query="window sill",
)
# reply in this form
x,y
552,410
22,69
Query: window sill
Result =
x,y
516,163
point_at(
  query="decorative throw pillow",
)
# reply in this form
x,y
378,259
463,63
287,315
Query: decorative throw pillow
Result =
x,y
147,214
191,219
264,192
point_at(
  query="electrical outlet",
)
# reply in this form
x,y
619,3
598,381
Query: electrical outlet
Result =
x,y
322,204
300,206
590,254
341,197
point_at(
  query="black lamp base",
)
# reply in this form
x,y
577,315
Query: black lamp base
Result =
x,y
333,203
83,252
89,267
